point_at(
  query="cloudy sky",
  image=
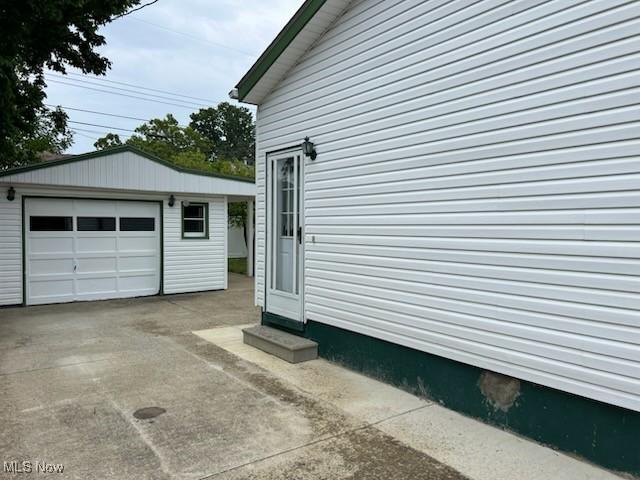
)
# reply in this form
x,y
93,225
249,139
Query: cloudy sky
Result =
x,y
195,48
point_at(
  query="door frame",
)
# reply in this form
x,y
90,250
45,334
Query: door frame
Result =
x,y
291,323
69,197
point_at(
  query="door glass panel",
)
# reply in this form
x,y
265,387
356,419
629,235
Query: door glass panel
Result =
x,y
285,217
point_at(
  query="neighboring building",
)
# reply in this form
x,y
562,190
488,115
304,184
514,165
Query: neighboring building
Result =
x,y
111,224
474,205
237,243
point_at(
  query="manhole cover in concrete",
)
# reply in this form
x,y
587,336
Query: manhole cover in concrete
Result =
x,y
148,412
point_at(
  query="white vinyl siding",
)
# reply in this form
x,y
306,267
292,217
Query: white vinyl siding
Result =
x,y
195,264
477,189
10,249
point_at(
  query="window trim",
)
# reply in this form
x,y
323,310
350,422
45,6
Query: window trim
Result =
x,y
188,235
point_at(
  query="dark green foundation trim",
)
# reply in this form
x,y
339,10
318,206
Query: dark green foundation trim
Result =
x,y
603,434
273,320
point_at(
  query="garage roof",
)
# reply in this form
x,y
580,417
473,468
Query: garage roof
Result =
x,y
307,25
127,168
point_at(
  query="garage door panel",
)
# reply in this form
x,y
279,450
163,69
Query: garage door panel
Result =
x,y
48,265
49,245
94,285
138,283
56,288
90,244
89,258
97,265
137,263
137,244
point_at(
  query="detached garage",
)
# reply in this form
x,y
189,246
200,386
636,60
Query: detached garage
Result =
x,y
113,224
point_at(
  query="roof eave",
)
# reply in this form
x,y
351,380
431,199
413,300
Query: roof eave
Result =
x,y
290,31
120,149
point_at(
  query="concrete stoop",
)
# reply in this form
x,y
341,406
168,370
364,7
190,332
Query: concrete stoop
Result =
x,y
283,345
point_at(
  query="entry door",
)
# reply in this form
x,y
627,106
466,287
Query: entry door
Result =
x,y
285,252
80,249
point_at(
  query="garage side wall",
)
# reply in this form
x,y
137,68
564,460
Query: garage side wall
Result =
x,y
192,265
10,249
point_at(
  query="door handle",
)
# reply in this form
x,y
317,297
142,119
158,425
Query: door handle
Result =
x,y
75,267
300,235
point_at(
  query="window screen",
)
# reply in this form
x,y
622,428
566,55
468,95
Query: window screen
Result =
x,y
137,224
50,224
96,224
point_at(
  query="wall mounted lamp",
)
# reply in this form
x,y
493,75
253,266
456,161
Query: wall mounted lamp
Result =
x,y
11,194
172,200
309,149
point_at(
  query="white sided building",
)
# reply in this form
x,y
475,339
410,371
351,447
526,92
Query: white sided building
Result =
x,y
112,224
464,219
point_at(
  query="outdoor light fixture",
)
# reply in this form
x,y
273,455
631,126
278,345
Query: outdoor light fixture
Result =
x,y
309,149
11,194
172,200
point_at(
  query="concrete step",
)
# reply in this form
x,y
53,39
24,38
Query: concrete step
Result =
x,y
283,345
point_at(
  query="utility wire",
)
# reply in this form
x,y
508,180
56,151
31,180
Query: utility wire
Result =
x,y
188,107
108,80
152,95
103,126
98,113
98,132
146,120
194,37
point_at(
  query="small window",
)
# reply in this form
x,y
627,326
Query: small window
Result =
x,y
137,224
194,220
96,224
50,224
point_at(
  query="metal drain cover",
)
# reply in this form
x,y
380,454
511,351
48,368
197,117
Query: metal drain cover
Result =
x,y
148,412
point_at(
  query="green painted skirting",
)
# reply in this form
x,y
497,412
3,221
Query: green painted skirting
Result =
x,y
601,433
284,323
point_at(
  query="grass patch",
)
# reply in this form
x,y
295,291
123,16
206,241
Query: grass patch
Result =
x,y
238,265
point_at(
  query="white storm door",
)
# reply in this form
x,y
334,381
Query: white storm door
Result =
x,y
284,224
80,249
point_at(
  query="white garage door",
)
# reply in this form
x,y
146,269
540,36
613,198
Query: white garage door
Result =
x,y
90,249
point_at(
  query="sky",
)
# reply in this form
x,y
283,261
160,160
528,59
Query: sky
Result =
x,y
195,48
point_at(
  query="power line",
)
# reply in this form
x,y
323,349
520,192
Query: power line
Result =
x,y
76,132
146,120
98,113
64,77
108,80
123,95
194,37
97,132
103,126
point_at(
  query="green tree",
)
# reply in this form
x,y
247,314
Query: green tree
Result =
x,y
39,34
50,134
229,129
108,141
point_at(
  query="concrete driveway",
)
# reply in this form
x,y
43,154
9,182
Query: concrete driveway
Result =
x,y
79,381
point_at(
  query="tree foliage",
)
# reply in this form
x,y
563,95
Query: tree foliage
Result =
x,y
228,129
38,35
